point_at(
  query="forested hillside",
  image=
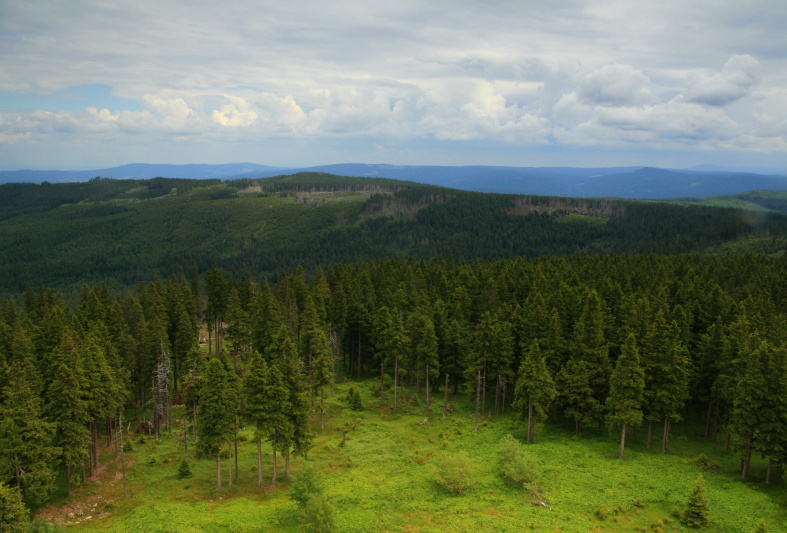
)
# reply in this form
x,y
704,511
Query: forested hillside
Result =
x,y
589,343
125,231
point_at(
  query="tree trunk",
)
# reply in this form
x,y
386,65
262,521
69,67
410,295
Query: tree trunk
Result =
x,y
359,355
322,408
728,436
665,437
477,399
196,436
768,472
445,395
497,395
287,463
530,422
427,389
396,379
483,393
69,488
259,463
746,461
648,440
623,442
229,463
382,383
708,414
273,479
218,470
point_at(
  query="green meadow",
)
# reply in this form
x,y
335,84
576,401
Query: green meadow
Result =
x,y
384,479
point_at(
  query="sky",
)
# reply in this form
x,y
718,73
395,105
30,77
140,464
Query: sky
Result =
x,y
90,84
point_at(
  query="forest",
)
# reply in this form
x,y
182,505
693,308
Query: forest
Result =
x,y
620,352
122,232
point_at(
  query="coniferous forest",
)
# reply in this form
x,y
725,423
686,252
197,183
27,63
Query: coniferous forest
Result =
x,y
650,354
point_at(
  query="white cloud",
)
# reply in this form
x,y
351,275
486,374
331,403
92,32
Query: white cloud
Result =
x,y
616,85
734,82
236,113
572,73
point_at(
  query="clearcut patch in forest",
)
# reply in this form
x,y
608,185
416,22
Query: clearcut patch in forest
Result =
x,y
384,480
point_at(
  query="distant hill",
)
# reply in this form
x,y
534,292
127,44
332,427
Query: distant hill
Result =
x,y
139,171
610,182
607,182
125,231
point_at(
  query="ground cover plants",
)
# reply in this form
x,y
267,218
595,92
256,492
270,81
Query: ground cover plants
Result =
x,y
385,478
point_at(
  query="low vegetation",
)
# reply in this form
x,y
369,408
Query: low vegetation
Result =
x,y
389,476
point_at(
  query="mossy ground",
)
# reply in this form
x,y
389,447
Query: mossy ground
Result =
x,y
382,480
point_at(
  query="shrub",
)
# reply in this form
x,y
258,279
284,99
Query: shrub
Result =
x,y
354,399
13,513
184,470
515,464
318,515
697,512
601,513
304,486
455,471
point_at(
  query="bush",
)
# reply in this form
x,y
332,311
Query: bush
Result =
x,y
455,471
354,399
13,513
697,512
304,486
318,515
184,470
515,464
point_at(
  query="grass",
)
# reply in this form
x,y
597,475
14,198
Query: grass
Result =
x,y
383,480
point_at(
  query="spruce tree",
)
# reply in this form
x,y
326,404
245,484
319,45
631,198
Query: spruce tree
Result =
x,y
216,412
627,384
535,388
322,368
68,408
697,512
27,452
267,405
14,517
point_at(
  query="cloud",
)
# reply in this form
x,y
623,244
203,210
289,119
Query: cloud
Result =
x,y
236,113
566,74
616,85
732,83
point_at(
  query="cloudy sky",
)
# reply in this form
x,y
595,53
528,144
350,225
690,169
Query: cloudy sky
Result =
x,y
96,83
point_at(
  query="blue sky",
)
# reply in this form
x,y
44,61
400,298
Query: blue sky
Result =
x,y
95,83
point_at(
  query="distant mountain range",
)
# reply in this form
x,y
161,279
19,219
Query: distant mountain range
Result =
x,y
620,182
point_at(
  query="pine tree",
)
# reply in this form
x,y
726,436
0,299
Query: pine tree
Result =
x,y
424,350
217,409
298,435
583,381
267,405
27,451
322,368
627,384
14,517
68,408
697,512
535,388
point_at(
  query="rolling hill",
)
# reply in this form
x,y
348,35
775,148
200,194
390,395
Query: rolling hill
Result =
x,y
617,182
125,231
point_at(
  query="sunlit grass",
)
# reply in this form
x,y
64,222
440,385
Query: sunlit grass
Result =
x,y
383,480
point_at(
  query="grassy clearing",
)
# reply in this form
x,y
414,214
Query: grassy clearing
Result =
x,y
383,480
